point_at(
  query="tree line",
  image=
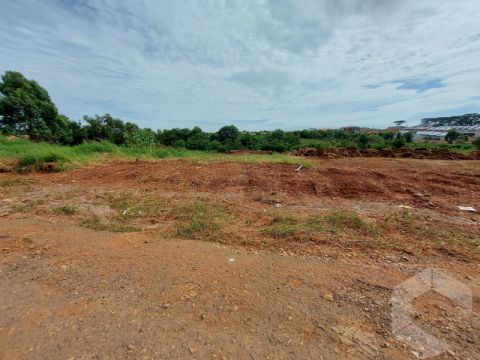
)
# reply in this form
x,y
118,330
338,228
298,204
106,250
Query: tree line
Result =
x,y
26,109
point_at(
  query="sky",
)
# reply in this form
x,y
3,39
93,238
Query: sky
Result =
x,y
257,64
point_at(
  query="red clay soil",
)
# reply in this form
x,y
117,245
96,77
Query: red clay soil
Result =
x,y
419,153
71,292
434,184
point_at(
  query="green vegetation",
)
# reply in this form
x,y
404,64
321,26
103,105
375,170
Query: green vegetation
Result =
x,y
432,233
338,220
200,220
34,155
14,181
334,223
18,208
28,114
132,205
95,223
67,210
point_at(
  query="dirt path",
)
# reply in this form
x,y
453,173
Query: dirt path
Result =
x,y
70,292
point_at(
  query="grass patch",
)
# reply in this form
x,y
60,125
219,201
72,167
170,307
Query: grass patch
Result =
x,y
428,233
201,221
133,205
124,229
94,223
339,220
33,156
303,229
67,210
14,181
18,208
282,227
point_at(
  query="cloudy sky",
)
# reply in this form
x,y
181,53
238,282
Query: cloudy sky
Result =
x,y
259,64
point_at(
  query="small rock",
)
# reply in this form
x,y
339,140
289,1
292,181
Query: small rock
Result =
x,y
130,347
328,297
165,306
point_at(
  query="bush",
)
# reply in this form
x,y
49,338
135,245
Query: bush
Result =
x,y
476,143
362,141
398,143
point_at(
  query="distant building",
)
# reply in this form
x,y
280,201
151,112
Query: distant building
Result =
x,y
353,129
438,133
358,129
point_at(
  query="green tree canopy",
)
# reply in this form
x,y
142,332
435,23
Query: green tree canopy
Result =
x,y
452,135
26,108
229,135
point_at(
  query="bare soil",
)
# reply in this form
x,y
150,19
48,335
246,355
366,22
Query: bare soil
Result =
x,y
173,259
419,153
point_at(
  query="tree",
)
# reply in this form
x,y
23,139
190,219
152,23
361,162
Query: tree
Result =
x,y
398,143
198,140
248,141
362,141
476,143
452,135
26,108
141,138
106,127
228,135
388,136
408,137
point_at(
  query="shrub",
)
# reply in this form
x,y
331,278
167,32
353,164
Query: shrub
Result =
x,y
476,143
398,143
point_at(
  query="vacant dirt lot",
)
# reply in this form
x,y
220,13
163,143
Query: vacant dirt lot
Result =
x,y
173,259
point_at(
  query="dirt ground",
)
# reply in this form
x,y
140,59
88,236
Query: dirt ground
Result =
x,y
174,259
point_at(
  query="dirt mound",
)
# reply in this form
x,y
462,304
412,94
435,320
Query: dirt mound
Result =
x,y
420,153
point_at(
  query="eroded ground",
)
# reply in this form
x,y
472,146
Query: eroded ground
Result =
x,y
172,259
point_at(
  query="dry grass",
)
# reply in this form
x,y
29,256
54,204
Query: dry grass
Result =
x,y
15,181
133,205
422,232
202,221
332,226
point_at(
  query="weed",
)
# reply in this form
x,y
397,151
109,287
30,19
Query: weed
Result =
x,y
14,181
67,210
94,223
430,233
124,229
339,220
18,208
201,221
334,222
132,205
282,228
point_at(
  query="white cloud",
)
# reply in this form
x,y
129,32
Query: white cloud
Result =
x,y
261,64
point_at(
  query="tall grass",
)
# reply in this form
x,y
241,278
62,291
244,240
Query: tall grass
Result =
x,y
33,155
